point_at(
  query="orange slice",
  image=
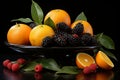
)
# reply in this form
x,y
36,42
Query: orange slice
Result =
x,y
103,61
83,60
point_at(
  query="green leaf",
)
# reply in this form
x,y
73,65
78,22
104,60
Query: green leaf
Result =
x,y
25,20
68,70
50,64
29,66
109,53
36,13
81,16
105,41
50,23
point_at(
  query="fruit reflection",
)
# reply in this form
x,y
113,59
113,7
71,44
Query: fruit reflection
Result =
x,y
9,75
82,76
100,75
105,75
37,76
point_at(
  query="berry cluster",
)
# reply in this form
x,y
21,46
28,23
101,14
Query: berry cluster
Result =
x,y
90,69
14,65
65,36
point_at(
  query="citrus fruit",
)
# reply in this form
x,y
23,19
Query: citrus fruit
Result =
x,y
38,33
58,15
103,61
83,60
19,34
86,25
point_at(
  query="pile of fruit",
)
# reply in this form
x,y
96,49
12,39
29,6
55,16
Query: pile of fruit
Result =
x,y
57,30
77,33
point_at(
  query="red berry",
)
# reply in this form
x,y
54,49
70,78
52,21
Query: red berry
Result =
x,y
93,67
38,68
9,65
15,67
21,61
87,70
5,62
75,36
38,76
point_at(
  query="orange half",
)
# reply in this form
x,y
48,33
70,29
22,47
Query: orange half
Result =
x,y
83,60
103,61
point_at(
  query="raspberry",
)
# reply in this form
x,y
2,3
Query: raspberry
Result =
x,y
93,67
87,70
9,65
5,62
21,61
38,68
15,67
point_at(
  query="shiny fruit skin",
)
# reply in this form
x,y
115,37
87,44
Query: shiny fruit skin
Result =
x,y
19,34
38,33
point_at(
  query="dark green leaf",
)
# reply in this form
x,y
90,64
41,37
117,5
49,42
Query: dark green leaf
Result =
x,y
25,20
50,23
50,64
68,70
36,13
111,55
106,41
81,16
29,66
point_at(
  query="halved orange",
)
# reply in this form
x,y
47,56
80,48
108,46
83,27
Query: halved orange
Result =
x,y
83,60
103,61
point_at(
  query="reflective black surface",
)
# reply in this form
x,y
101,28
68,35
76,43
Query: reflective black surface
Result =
x,y
62,59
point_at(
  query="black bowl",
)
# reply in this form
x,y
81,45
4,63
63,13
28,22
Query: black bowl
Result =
x,y
39,49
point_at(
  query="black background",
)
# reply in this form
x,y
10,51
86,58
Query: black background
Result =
x,y
101,14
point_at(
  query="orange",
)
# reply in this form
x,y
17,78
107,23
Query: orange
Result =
x,y
38,33
103,61
58,15
87,26
83,60
19,34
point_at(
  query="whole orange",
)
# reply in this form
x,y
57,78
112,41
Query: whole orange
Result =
x,y
86,25
38,33
19,34
58,15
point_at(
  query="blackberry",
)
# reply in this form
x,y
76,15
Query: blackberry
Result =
x,y
78,29
63,27
32,24
94,41
73,40
60,39
47,42
87,40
